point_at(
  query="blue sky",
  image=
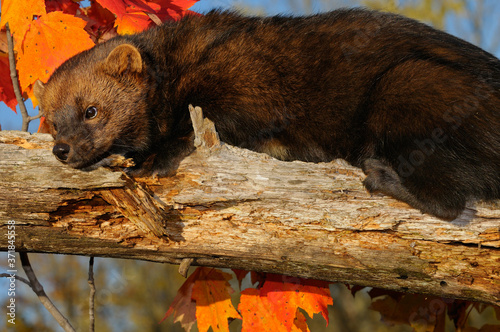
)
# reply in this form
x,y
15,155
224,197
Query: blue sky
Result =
x,y
274,6
11,121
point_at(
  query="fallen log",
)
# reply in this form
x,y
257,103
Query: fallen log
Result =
x,y
233,208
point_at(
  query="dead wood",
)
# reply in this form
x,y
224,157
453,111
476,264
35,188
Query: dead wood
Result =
x,y
233,208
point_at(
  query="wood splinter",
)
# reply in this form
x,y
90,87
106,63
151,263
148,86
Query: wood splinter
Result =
x,y
184,266
206,137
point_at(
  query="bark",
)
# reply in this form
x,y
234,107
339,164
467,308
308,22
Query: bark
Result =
x,y
233,208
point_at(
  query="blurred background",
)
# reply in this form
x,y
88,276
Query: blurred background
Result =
x,y
134,295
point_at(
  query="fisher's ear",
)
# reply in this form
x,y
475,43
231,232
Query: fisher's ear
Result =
x,y
38,90
124,59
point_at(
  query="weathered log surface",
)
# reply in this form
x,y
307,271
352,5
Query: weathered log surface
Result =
x,y
239,209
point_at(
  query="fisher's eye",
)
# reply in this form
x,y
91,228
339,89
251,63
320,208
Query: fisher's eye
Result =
x,y
90,112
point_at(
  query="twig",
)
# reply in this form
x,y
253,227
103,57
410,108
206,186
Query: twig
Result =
x,y
206,137
184,266
38,289
91,295
15,83
34,117
7,275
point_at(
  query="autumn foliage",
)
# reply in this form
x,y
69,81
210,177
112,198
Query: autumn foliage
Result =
x,y
276,303
273,305
46,33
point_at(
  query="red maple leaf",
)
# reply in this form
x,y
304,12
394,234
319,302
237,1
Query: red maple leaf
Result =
x,y
6,90
259,314
100,22
131,15
311,295
135,15
65,6
174,9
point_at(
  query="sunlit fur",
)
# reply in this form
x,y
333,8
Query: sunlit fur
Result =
x,y
416,108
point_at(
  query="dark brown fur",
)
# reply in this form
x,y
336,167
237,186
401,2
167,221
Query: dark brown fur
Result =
x,y
416,108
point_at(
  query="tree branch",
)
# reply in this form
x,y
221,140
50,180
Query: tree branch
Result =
x,y
7,275
234,208
15,82
91,295
42,296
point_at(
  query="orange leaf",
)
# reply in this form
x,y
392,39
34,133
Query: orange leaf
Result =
x,y
183,307
212,294
6,90
275,305
51,40
287,294
132,23
19,15
43,127
284,302
257,312
130,14
314,297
